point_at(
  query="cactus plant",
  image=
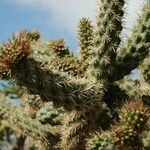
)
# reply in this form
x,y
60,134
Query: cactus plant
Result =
x,y
87,101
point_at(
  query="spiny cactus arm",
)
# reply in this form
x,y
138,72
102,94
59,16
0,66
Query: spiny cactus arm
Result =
x,y
17,48
71,93
64,60
5,106
85,36
136,48
146,140
53,86
107,40
42,50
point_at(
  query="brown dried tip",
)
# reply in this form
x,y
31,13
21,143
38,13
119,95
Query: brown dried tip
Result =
x,y
135,105
12,52
135,114
34,35
59,47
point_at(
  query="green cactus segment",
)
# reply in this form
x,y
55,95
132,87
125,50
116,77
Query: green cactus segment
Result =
x,y
5,106
103,141
134,118
107,40
136,48
44,52
85,35
145,70
49,115
146,140
58,46
64,60
131,87
65,91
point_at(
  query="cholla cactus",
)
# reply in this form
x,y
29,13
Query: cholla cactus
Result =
x,y
90,89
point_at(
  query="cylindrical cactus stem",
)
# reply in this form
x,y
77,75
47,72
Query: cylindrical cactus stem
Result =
x,y
85,36
62,90
136,48
107,37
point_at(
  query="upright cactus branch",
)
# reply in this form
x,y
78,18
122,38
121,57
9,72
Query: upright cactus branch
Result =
x,y
107,37
136,48
85,35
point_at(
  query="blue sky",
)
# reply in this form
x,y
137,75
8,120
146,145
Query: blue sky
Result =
x,y
54,18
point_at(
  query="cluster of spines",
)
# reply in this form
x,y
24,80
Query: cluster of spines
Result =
x,y
69,64
34,35
17,48
59,47
131,87
20,121
103,141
